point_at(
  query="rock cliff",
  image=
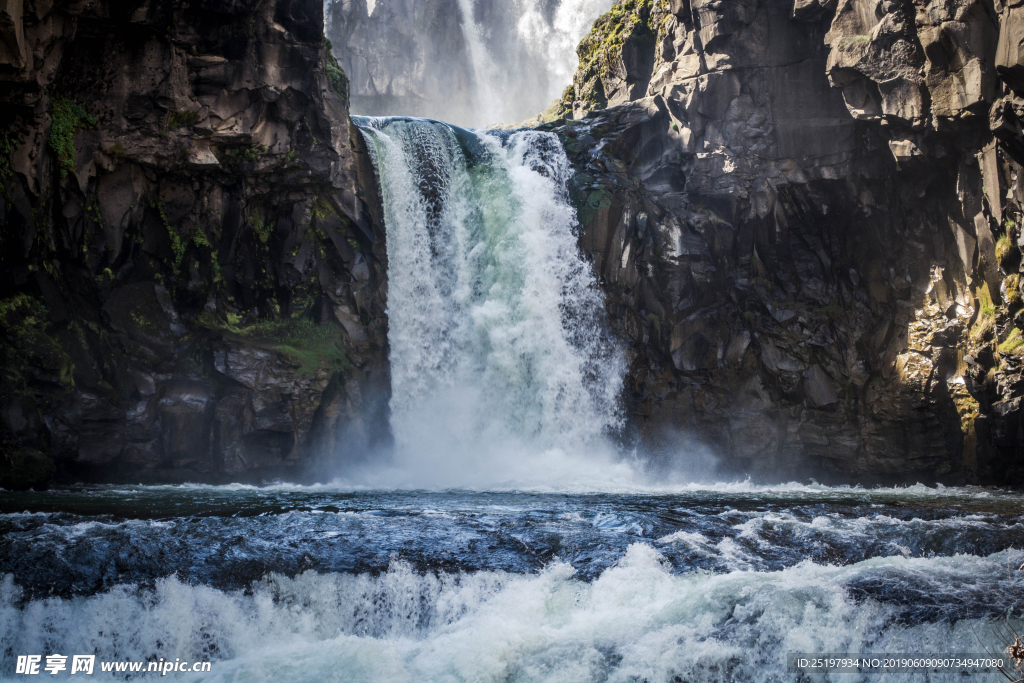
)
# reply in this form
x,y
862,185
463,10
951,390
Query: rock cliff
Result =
x,y
191,271
806,216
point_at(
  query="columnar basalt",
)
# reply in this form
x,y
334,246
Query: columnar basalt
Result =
x,y
807,221
191,281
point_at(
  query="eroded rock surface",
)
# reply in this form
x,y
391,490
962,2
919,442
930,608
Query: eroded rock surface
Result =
x,y
192,279
807,219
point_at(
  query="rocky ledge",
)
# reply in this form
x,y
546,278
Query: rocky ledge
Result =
x,y
191,274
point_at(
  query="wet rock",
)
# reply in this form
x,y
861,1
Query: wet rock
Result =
x,y
25,468
163,270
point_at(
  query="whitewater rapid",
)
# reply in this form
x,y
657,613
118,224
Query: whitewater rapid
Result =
x,y
712,583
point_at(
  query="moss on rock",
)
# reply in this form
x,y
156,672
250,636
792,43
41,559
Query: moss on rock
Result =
x,y
601,51
68,118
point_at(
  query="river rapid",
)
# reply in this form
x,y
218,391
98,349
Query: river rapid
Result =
x,y
335,583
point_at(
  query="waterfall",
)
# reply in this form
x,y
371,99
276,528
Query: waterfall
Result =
x,y
500,358
519,75
471,62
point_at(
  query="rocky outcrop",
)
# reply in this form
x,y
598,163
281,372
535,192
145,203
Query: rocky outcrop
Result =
x,y
806,217
192,275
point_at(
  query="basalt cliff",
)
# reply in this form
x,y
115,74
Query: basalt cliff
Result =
x,y
807,220
192,280
805,217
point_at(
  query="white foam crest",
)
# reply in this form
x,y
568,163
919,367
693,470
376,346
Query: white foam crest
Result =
x,y
637,621
568,477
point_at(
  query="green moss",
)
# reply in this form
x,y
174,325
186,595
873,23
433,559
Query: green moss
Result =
x,y
261,229
181,119
68,118
986,320
1013,345
1005,249
322,208
300,340
25,468
337,78
859,39
654,320
140,320
178,245
629,21
231,157
28,345
1013,298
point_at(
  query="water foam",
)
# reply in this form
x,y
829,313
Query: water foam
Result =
x,y
637,621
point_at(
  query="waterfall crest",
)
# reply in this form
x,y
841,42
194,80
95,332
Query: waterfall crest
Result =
x,y
498,343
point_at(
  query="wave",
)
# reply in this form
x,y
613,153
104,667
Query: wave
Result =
x,y
636,621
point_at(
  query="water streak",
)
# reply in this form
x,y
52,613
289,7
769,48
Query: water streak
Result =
x,y
502,366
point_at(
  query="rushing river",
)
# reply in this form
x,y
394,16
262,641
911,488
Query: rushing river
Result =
x,y
505,539
702,583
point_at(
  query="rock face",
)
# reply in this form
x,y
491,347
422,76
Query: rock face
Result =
x,y
192,279
806,216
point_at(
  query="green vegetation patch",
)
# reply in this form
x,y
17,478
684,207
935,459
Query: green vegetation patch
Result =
x,y
1013,345
627,21
986,314
300,340
336,77
1013,298
68,118
28,345
181,119
1006,252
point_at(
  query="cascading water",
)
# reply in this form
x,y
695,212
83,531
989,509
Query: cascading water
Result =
x,y
501,364
546,45
480,62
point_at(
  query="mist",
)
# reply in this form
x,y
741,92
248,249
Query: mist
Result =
x,y
468,62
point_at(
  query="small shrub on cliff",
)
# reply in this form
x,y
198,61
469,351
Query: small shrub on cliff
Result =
x,y
1006,253
1013,299
68,118
986,320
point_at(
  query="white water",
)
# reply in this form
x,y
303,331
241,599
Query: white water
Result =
x,y
501,368
637,621
516,86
